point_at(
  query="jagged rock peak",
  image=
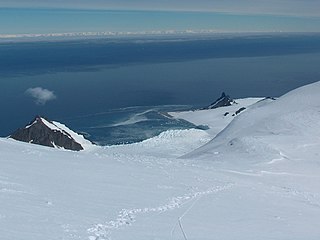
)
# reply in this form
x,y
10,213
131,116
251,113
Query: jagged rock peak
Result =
x,y
52,134
224,100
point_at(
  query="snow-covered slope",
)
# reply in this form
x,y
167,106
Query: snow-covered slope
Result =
x,y
86,144
258,179
110,192
290,123
216,119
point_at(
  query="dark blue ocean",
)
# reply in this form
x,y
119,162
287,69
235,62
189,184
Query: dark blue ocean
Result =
x,y
117,90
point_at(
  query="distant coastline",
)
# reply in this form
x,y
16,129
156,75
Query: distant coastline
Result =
x,y
156,34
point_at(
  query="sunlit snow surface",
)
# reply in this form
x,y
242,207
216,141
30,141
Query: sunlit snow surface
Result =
x,y
257,179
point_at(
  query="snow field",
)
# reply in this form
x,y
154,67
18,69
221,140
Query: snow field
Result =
x,y
252,176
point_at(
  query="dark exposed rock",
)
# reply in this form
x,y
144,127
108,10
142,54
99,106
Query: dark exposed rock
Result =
x,y
222,101
271,98
240,110
226,114
43,132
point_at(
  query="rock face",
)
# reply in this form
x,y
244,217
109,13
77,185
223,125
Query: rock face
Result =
x,y
52,134
222,101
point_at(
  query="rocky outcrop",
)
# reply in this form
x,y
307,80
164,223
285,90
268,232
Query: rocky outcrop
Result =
x,y
240,110
222,101
44,132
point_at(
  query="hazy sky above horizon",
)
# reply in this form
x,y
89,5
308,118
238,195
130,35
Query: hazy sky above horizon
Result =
x,y
44,16
278,7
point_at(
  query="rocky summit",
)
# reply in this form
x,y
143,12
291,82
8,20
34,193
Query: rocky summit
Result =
x,y
47,133
223,101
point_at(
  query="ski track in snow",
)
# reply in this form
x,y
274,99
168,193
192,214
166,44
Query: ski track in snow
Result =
x,y
309,198
10,187
127,217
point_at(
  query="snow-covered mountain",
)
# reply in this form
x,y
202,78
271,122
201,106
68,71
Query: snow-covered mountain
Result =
x,y
51,134
292,122
255,175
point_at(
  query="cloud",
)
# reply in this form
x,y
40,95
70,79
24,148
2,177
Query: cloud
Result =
x,y
41,95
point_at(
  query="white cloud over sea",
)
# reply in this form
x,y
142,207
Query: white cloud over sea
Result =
x,y
41,95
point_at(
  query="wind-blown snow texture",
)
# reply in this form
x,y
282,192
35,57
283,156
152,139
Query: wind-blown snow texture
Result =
x,y
257,179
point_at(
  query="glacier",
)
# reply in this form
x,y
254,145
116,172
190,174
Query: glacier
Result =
x,y
254,175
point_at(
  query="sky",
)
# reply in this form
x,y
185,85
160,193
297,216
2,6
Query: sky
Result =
x,y
281,7
59,16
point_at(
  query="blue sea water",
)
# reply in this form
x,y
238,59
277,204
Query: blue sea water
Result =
x,y
116,90
129,125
